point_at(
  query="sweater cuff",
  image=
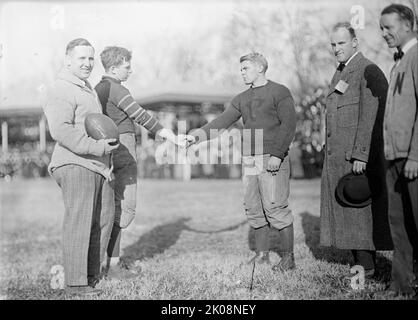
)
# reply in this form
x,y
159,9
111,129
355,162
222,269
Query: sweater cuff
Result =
x,y
360,156
97,147
413,157
278,154
156,128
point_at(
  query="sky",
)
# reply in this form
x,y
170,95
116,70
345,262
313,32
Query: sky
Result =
x,y
33,34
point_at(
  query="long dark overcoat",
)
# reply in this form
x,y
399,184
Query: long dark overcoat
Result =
x,y
354,120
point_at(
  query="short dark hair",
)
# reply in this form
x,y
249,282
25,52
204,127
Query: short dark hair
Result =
x,y
114,56
76,42
404,12
345,25
255,57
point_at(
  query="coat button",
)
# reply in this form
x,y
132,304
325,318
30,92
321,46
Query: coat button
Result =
x,y
329,153
329,134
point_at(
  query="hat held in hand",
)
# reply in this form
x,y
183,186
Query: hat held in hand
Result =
x,y
353,191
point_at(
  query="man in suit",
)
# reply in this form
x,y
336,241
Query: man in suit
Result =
x,y
354,111
401,146
81,166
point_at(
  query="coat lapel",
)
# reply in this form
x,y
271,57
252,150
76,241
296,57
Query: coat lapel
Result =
x,y
346,73
334,82
352,66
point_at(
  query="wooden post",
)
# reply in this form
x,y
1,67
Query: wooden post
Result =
x,y
4,137
42,134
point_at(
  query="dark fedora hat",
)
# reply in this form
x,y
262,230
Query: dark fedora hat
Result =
x,y
353,191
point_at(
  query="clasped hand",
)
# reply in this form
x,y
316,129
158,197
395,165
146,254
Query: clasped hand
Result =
x,y
182,140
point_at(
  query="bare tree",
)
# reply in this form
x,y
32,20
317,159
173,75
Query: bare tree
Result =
x,y
291,37
414,5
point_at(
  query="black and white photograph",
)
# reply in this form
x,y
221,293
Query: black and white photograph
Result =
x,y
209,155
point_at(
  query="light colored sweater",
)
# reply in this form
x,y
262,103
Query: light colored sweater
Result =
x,y
401,116
70,100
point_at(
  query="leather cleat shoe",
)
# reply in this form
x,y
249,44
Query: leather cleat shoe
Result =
x,y
94,281
82,290
286,263
260,258
118,272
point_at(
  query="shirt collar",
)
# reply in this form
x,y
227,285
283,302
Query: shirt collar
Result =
x,y
409,44
107,77
252,86
65,74
351,58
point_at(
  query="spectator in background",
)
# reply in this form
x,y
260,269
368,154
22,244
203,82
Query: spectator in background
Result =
x,y
81,166
354,109
401,146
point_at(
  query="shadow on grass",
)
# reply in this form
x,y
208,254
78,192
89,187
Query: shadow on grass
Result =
x,y
311,228
156,241
162,237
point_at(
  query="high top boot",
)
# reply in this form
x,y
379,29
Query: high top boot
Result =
x,y
288,259
262,245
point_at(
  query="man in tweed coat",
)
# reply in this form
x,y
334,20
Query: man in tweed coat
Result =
x,y
354,113
81,167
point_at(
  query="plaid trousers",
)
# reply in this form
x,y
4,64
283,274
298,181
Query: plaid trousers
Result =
x,y
88,220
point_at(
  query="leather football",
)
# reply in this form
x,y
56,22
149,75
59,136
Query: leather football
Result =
x,y
99,126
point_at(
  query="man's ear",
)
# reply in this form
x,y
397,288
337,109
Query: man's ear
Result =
x,y
355,43
407,26
112,69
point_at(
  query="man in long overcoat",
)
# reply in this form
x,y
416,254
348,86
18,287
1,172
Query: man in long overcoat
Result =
x,y
354,143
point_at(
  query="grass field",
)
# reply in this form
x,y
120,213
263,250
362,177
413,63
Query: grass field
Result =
x,y
190,240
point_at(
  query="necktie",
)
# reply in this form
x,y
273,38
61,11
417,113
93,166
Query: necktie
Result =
x,y
341,67
398,55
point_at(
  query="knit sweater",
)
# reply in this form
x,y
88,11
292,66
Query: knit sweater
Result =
x,y
269,108
70,100
401,113
120,106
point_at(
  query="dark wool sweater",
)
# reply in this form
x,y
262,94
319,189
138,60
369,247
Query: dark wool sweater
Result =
x,y
120,106
269,107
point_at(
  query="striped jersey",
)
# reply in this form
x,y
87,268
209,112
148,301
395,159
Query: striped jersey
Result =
x,y
118,103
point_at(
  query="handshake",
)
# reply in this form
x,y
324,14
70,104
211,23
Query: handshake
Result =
x,y
182,140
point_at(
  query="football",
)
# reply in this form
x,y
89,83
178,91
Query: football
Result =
x,y
99,126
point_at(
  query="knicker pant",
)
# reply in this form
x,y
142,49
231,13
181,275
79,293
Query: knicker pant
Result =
x,y
266,196
125,171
